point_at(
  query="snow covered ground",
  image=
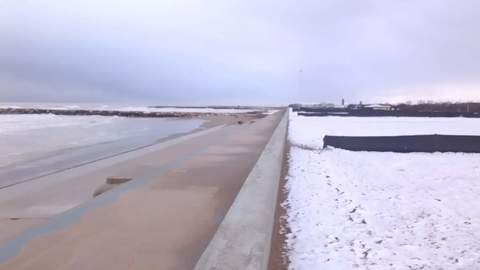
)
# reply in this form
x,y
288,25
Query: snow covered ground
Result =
x,y
372,210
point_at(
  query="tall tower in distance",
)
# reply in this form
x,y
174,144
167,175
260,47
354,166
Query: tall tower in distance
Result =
x,y
343,102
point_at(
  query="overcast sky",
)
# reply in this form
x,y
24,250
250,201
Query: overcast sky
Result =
x,y
239,51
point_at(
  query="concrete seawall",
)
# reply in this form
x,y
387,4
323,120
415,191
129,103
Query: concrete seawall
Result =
x,y
243,239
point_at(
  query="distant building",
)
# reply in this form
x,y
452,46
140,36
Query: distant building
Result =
x,y
298,106
354,106
319,105
379,107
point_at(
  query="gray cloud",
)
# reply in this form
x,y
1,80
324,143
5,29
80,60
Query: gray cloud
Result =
x,y
239,52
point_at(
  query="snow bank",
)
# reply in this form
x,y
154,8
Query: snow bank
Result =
x,y
371,210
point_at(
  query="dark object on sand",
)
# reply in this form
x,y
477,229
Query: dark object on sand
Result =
x,y
117,180
406,144
110,184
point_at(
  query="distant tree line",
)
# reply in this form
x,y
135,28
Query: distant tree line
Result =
x,y
422,106
421,109
468,107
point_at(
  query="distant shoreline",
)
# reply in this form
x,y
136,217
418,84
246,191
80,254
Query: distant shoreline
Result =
x,y
121,113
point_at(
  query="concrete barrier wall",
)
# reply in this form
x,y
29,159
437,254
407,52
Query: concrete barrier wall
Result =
x,y
243,239
406,144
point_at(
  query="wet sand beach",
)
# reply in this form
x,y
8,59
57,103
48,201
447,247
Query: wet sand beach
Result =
x,y
162,219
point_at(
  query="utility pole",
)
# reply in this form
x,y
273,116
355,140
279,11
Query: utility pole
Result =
x,y
300,71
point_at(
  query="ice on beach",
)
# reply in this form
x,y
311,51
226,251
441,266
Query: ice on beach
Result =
x,y
187,110
26,137
11,124
380,210
311,130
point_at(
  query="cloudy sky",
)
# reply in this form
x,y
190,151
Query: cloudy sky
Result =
x,y
239,51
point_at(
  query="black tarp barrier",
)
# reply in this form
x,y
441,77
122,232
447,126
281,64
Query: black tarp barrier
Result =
x,y
406,144
370,113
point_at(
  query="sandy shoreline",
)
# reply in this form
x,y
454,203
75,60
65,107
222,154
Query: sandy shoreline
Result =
x,y
169,219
